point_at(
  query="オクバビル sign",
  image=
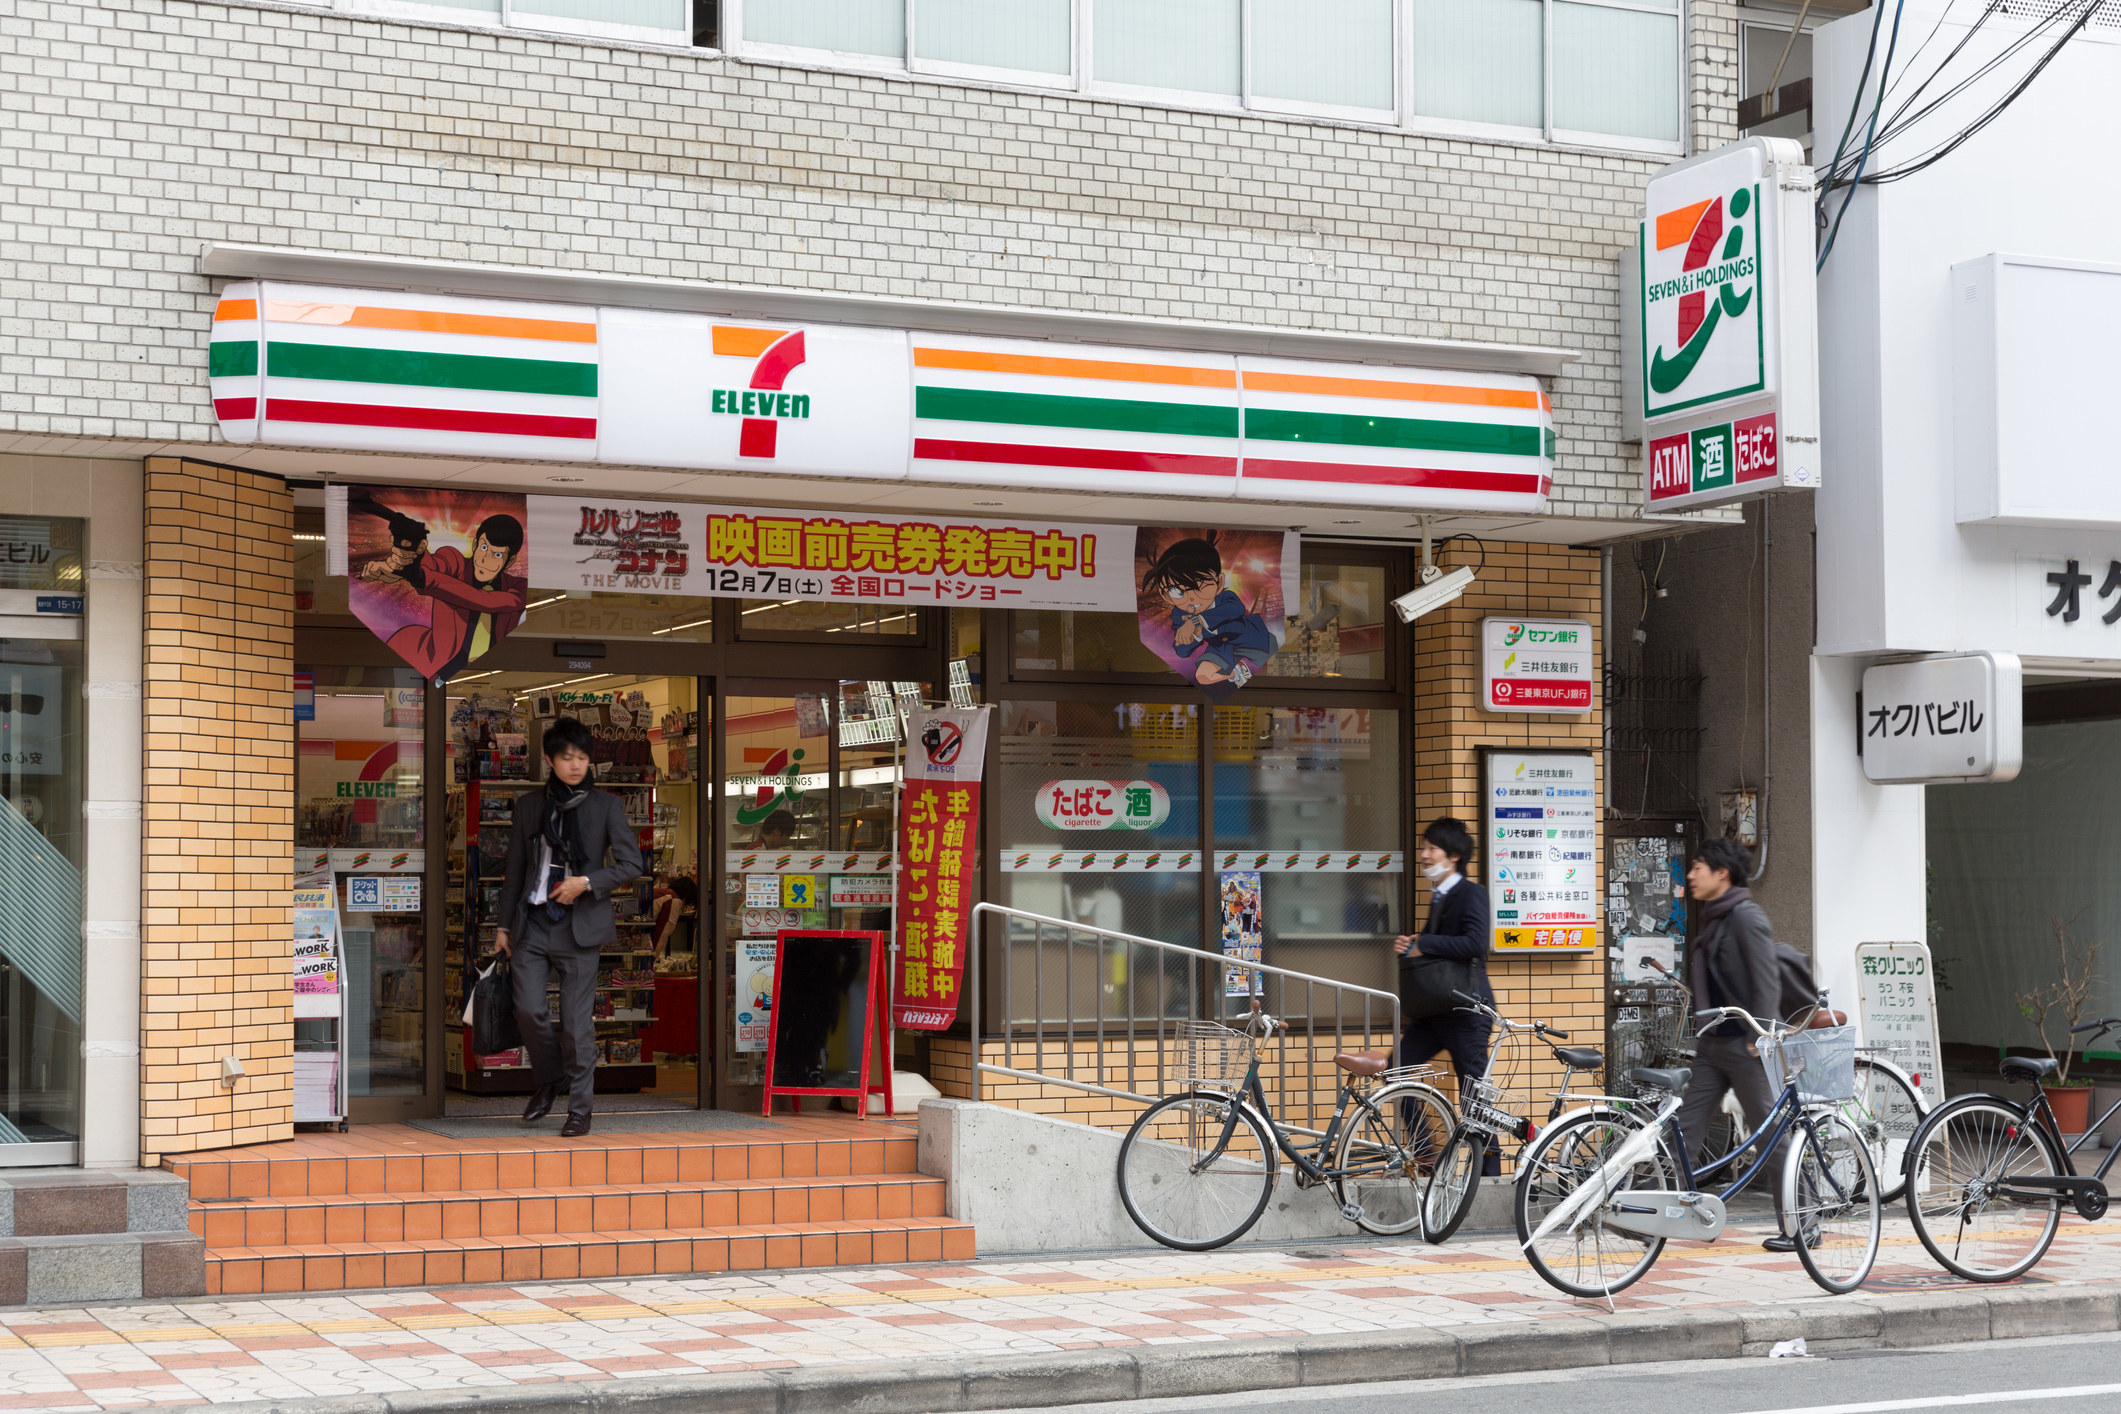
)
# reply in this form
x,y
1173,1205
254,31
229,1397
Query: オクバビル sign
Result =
x,y
1724,343
1954,717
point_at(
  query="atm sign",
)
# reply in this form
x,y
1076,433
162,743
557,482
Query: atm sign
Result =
x,y
1713,458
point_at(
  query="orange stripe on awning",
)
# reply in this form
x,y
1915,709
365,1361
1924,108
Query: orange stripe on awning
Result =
x,y
1400,392
732,342
428,321
1045,366
236,309
1677,227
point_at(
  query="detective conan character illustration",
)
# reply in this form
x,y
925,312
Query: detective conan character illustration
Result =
x,y
473,601
1208,620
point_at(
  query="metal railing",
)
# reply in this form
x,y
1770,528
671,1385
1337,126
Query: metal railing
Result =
x,y
1099,1011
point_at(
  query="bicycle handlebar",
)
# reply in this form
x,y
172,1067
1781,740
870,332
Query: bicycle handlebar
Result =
x,y
1721,1014
2111,1021
1537,1028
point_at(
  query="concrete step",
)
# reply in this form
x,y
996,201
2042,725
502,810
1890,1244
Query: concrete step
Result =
x,y
64,1202
109,1266
241,1271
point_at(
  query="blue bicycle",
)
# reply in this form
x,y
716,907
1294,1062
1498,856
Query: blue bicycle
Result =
x,y
1599,1194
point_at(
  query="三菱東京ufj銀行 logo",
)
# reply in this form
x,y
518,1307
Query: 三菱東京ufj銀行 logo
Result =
x,y
1702,334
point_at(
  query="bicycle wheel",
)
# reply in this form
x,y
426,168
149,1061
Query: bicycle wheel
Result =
x,y
1830,1201
1886,1111
1452,1185
1962,1162
1196,1170
1385,1153
1592,1260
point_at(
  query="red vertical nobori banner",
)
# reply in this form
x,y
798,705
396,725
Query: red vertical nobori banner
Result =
x,y
938,852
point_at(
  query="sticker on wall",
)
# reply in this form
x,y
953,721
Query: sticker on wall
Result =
x,y
439,575
1212,603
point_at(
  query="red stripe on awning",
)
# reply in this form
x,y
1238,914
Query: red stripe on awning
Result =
x,y
516,424
1094,458
1370,474
235,409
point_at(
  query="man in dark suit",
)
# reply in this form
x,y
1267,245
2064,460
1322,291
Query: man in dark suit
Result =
x,y
1457,930
556,916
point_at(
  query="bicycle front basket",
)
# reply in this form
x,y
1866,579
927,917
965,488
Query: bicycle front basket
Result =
x,y
1212,1056
1822,1062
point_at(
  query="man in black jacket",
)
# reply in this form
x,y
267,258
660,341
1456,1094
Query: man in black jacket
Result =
x,y
556,916
1457,930
1731,962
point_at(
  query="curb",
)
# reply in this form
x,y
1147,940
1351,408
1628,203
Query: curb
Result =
x,y
1227,1367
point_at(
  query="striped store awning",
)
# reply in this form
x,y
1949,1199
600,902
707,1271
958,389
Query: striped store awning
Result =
x,y
303,366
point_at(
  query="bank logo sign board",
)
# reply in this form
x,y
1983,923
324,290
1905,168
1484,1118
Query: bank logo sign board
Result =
x,y
1536,665
1724,343
419,374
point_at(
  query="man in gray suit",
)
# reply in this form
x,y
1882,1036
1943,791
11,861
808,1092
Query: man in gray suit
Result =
x,y
556,916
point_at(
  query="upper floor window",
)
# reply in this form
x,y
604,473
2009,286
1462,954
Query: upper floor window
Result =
x,y
1608,72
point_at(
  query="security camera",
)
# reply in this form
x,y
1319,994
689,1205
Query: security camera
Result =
x,y
1437,589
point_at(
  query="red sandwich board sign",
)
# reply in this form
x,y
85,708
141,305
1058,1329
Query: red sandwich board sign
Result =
x,y
829,1026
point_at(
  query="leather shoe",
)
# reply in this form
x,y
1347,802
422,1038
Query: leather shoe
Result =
x,y
540,1103
1782,1242
577,1125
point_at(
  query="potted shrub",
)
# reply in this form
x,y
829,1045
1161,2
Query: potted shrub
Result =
x,y
2056,1008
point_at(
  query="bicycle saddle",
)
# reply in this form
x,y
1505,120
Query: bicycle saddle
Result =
x,y
1672,1080
1579,1057
1376,1064
2027,1068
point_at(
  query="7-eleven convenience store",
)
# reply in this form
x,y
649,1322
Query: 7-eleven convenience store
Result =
x,y
754,520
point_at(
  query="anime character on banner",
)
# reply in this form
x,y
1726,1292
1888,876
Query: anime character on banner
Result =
x,y
1213,601
439,575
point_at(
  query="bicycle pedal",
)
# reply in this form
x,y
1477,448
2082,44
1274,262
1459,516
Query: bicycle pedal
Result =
x,y
1351,1211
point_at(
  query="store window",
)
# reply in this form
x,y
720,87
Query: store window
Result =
x,y
610,616
1308,800
360,786
42,850
827,620
1097,820
1337,630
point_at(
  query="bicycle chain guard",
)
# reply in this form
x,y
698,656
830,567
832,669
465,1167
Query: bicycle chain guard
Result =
x,y
1652,1212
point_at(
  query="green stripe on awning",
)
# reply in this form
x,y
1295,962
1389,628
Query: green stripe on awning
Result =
x,y
341,364
232,359
1417,434
1047,410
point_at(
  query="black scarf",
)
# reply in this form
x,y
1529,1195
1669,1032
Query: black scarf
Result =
x,y
563,834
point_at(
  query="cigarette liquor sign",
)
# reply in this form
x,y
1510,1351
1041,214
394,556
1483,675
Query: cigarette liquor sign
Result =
x,y
1725,336
1541,827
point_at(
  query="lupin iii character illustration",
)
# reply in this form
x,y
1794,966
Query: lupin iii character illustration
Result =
x,y
475,601
1207,617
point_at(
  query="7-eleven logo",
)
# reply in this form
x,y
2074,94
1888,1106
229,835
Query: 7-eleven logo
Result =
x,y
1702,334
763,402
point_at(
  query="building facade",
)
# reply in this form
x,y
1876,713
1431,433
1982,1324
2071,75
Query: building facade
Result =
x,y
1207,182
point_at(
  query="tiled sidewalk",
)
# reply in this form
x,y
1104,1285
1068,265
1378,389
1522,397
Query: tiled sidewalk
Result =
x,y
220,1351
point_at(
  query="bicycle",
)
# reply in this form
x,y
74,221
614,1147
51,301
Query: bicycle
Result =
x,y
1197,1168
1987,1177
1601,1193
1886,1107
1484,1118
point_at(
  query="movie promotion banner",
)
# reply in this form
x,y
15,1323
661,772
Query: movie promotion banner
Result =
x,y
938,832
440,575
1213,603
670,548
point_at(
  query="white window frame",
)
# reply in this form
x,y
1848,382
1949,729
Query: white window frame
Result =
x,y
1083,80
987,73
1577,137
506,18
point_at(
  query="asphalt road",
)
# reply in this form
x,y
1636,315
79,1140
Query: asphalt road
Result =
x,y
2058,1375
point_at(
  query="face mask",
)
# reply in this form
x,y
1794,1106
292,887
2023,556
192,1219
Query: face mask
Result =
x,y
1436,873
